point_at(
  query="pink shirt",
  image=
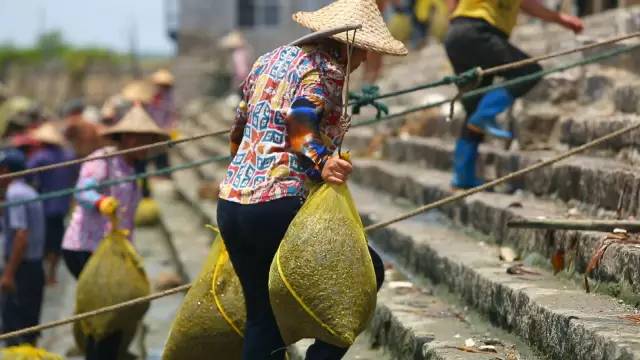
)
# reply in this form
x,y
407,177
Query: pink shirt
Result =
x,y
87,226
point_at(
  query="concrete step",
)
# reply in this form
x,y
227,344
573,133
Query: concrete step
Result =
x,y
490,212
594,182
551,314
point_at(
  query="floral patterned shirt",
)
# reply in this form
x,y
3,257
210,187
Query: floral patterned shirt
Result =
x,y
287,125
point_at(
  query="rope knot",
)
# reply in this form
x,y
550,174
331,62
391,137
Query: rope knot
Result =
x,y
464,80
368,97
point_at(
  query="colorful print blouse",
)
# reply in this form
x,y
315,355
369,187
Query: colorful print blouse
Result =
x,y
287,125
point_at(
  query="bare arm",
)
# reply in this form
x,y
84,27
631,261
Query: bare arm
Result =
x,y
536,9
451,5
20,243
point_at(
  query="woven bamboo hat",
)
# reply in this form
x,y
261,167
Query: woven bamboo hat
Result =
x,y
374,35
138,90
232,40
47,133
163,77
136,121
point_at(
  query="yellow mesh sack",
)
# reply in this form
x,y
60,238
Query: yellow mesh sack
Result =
x,y
400,26
322,284
113,274
147,213
212,316
27,352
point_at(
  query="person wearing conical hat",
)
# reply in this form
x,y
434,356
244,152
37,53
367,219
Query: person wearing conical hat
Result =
x,y
240,55
89,223
478,36
53,150
162,109
287,128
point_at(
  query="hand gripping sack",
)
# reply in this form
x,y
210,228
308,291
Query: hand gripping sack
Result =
x,y
113,274
212,316
322,283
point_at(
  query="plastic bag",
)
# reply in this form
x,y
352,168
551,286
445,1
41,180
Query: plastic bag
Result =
x,y
113,274
147,213
322,283
212,316
27,352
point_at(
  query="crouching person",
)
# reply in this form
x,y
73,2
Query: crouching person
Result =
x,y
22,281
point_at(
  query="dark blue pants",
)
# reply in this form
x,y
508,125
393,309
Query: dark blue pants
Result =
x,y
21,309
252,234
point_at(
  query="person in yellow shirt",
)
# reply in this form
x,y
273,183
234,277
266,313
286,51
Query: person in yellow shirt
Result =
x,y
478,36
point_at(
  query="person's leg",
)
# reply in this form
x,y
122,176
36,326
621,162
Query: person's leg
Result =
x,y
75,261
252,234
53,249
21,309
105,349
141,167
320,350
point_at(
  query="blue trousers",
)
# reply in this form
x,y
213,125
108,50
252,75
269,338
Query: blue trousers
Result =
x,y
252,234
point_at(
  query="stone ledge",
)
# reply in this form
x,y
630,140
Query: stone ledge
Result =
x,y
490,212
552,315
596,182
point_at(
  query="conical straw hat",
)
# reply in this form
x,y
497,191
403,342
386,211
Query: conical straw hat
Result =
x,y
136,121
47,133
162,77
374,35
232,40
138,90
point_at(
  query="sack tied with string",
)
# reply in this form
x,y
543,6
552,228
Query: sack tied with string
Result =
x,y
212,316
322,283
113,274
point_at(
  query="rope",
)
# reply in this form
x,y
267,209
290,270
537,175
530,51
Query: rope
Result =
x,y
166,143
469,94
69,191
507,83
88,314
382,224
470,76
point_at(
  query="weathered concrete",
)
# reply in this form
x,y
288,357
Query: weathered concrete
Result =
x,y
490,212
552,315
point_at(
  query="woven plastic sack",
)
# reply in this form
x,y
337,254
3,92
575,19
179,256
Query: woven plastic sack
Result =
x,y
147,213
27,352
322,284
212,316
113,274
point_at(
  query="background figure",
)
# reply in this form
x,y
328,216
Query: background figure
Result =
x,y
84,136
478,36
373,65
240,55
22,282
162,111
89,223
52,151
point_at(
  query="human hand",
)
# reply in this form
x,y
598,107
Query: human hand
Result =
x,y
107,205
7,283
570,22
336,170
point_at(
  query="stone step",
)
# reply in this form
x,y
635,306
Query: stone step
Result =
x,y
410,321
594,182
551,314
490,212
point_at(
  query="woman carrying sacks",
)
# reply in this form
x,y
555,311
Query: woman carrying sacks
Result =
x,y
89,221
288,125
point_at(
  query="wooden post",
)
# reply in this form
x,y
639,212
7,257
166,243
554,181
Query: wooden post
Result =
x,y
566,224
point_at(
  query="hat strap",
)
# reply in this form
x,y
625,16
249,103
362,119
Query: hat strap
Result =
x,y
345,89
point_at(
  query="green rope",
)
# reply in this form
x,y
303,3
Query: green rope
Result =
x,y
70,191
368,97
470,94
507,83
